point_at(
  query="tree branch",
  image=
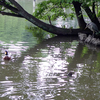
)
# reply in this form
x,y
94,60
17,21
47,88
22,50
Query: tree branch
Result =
x,y
49,20
11,14
9,7
16,5
47,27
43,25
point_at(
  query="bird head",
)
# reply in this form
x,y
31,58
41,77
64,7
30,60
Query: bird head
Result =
x,y
6,52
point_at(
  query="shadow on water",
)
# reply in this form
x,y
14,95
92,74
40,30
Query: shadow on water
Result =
x,y
41,72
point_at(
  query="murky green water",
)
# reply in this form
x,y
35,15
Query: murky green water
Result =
x,y
39,67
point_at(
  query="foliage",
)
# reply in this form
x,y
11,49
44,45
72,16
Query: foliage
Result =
x,y
98,13
84,51
53,9
36,33
4,8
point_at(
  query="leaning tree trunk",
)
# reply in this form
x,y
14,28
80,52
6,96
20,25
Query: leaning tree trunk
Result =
x,y
41,24
20,12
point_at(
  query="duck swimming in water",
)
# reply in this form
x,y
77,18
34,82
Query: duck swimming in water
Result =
x,y
6,56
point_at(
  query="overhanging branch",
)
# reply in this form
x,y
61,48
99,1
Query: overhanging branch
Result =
x,y
19,11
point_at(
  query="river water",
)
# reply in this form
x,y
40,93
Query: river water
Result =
x,y
39,65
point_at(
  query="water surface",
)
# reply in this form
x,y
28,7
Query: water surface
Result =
x,y
39,67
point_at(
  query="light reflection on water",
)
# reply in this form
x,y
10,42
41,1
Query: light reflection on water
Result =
x,y
35,75
39,71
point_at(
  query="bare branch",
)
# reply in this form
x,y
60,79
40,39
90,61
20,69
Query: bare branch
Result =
x,y
11,14
49,20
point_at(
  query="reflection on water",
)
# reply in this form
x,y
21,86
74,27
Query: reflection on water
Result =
x,y
39,67
41,72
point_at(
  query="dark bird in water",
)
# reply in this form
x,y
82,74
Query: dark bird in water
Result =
x,y
6,56
70,74
93,27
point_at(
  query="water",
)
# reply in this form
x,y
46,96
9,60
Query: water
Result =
x,y
39,68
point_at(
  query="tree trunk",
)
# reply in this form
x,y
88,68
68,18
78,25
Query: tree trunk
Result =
x,y
79,15
41,24
48,27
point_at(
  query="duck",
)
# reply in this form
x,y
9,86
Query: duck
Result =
x,y
6,56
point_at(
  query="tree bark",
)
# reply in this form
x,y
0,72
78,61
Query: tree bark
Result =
x,y
9,7
79,15
10,14
93,7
